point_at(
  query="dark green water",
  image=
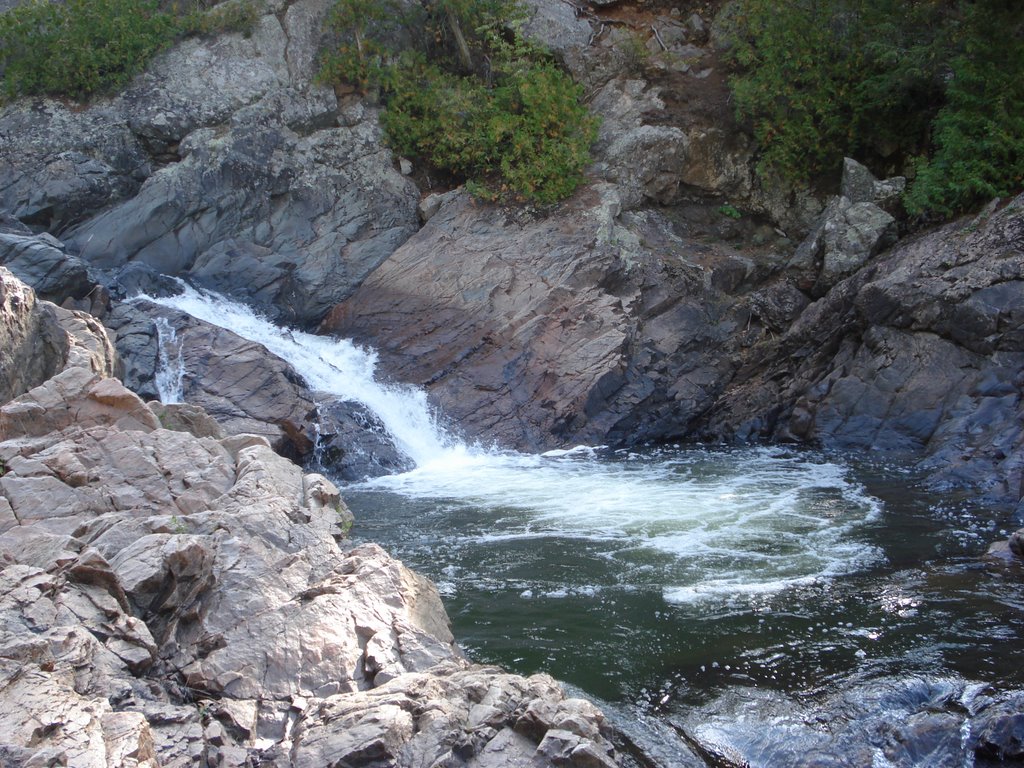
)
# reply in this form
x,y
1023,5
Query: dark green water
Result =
x,y
637,604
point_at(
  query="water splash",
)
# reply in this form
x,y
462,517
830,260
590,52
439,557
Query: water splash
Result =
x,y
170,368
332,366
715,526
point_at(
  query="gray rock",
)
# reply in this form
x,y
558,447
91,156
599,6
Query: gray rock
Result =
x,y
299,220
42,262
139,560
907,722
237,382
546,331
645,161
59,165
860,186
918,351
853,234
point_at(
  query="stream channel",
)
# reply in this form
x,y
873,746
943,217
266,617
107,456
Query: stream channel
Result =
x,y
689,589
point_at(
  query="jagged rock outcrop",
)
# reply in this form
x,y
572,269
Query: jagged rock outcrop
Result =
x,y
543,331
224,161
168,599
920,350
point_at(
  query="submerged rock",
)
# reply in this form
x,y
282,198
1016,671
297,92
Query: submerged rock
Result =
x,y
903,723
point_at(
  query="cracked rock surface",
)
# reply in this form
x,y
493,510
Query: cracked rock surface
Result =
x,y
168,599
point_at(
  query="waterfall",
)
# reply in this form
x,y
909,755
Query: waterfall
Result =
x,y
333,366
720,524
170,368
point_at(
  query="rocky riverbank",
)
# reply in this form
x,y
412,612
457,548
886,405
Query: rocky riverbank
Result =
x,y
174,599
641,310
174,592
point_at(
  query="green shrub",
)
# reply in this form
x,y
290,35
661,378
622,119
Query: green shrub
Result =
x,y
939,80
77,47
478,102
979,133
821,79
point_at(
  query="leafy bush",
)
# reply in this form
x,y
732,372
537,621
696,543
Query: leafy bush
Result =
x,y
939,80
473,99
76,47
821,79
979,133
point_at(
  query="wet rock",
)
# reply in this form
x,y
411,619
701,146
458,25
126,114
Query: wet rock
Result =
x,y
998,731
237,382
905,722
352,444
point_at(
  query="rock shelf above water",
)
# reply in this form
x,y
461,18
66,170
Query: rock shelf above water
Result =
x,y
168,599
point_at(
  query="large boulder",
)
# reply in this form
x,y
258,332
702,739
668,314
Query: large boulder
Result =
x,y
238,382
223,159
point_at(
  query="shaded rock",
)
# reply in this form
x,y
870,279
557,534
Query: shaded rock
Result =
x,y
183,417
59,165
303,219
846,237
32,346
38,340
41,262
919,351
860,186
221,159
353,444
237,382
546,331
852,235
561,29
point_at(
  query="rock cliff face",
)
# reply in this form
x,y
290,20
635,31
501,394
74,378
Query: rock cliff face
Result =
x,y
640,310
169,599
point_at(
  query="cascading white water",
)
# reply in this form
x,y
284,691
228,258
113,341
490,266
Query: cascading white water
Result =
x,y
333,366
170,370
755,525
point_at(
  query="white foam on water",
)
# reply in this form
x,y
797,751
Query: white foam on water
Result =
x,y
756,521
